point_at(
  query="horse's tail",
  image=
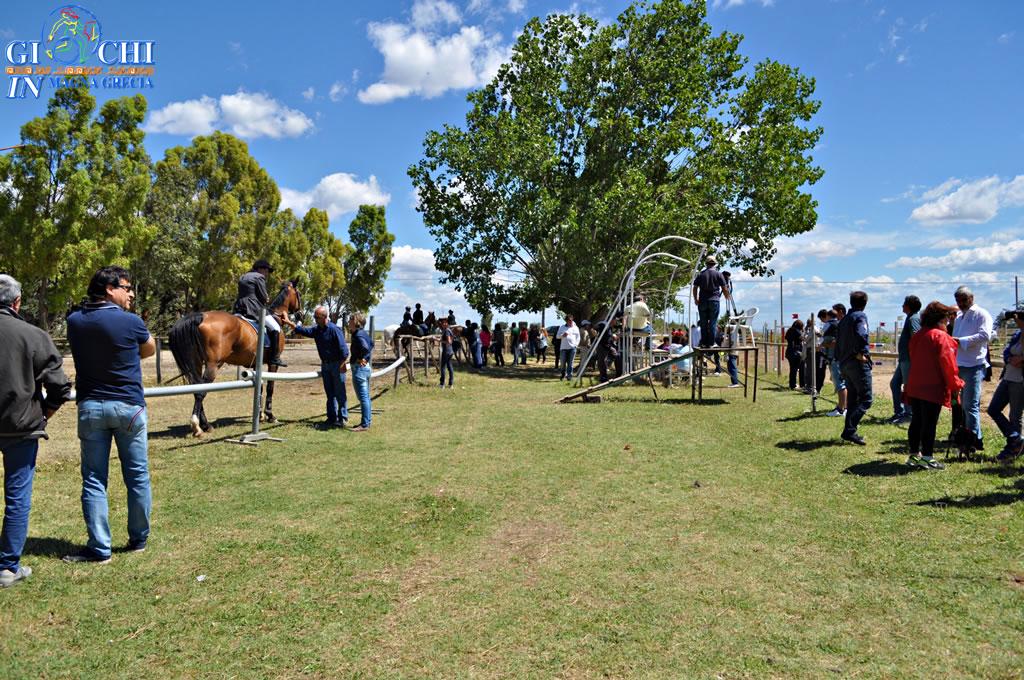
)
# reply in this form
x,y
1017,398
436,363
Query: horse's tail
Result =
x,y
188,347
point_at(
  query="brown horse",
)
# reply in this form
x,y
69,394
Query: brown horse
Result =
x,y
202,342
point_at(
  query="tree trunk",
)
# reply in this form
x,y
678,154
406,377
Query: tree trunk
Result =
x,y
43,311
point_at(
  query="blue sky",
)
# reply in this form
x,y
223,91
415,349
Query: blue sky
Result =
x,y
922,151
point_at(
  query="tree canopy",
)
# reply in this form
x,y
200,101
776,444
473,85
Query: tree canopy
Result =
x,y
595,140
71,197
368,265
80,193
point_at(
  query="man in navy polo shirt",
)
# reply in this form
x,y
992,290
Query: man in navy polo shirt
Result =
x,y
108,343
333,351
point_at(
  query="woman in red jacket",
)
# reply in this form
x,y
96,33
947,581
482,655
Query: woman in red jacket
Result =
x,y
933,378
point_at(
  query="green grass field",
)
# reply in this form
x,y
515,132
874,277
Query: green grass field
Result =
x,y
487,532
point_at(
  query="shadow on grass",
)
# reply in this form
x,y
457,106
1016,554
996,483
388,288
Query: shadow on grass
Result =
x,y
802,416
879,468
1002,471
707,401
49,547
1008,495
806,445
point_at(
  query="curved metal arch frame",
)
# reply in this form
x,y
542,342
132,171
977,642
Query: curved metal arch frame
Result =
x,y
626,289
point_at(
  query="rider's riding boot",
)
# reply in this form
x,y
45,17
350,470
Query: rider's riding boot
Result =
x,y
274,359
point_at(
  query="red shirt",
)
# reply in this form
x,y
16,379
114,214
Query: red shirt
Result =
x,y
485,338
933,373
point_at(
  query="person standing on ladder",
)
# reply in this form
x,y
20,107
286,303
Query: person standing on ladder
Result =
x,y
251,298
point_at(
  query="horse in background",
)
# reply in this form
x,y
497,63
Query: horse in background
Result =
x,y
202,342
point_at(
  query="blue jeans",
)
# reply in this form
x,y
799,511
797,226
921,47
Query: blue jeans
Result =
x,y
899,377
19,469
478,359
970,397
99,422
857,376
707,319
567,357
837,376
734,374
361,383
1012,394
446,365
334,388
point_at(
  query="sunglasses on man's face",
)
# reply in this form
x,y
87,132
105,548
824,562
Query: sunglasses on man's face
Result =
x,y
127,288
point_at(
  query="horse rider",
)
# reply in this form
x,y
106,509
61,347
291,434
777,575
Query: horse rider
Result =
x,y
252,297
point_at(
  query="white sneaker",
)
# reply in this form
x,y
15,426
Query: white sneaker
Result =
x,y
835,413
9,578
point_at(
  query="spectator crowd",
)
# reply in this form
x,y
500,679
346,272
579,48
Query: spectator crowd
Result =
x,y
943,358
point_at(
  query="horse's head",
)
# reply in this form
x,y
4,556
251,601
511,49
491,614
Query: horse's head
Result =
x,y
287,300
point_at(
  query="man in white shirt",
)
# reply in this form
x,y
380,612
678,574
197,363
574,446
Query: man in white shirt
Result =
x,y
569,338
972,332
640,316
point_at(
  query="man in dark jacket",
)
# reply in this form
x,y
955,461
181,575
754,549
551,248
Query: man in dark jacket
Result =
x,y
29,363
252,297
854,357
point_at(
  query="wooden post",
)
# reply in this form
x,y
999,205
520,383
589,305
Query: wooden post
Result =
x,y
159,375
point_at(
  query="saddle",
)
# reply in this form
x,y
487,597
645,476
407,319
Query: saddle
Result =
x,y
256,327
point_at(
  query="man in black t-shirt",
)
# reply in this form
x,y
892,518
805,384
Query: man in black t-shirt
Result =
x,y
708,289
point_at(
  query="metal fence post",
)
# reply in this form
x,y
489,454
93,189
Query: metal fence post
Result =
x,y
255,435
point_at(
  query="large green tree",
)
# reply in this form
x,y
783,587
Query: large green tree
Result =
x,y
595,140
312,256
71,198
221,201
368,265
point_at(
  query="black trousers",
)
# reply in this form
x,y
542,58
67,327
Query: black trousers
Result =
x,y
924,419
499,354
796,370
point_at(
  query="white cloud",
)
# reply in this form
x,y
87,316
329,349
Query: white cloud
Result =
x,y
412,263
516,6
728,4
337,91
419,61
413,279
942,189
253,114
192,117
245,114
427,14
309,93
337,194
6,33
977,202
999,256
1006,38
826,242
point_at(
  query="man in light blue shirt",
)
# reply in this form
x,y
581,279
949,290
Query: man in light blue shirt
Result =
x,y
972,332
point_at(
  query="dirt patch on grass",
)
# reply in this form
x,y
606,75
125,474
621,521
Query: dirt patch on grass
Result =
x,y
524,544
